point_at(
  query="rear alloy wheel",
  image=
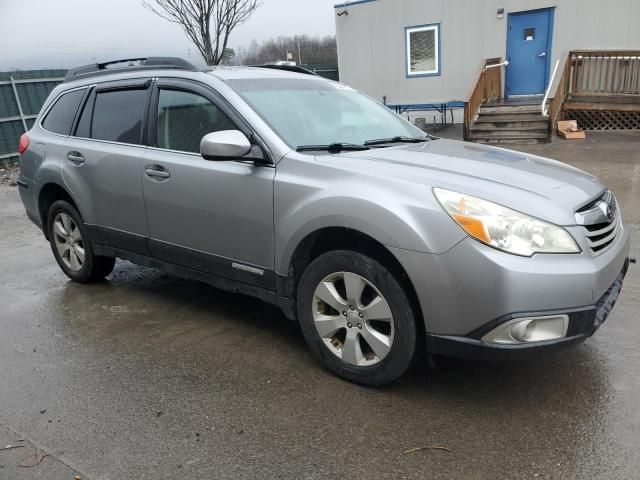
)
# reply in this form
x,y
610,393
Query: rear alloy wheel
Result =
x,y
71,246
356,318
68,241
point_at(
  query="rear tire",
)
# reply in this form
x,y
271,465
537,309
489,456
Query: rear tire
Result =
x,y
72,249
357,318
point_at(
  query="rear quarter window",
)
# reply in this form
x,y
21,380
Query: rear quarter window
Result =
x,y
60,117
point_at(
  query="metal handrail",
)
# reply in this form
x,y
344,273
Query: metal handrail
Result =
x,y
503,64
545,110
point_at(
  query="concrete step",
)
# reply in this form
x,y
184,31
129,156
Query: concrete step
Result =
x,y
516,117
509,109
542,126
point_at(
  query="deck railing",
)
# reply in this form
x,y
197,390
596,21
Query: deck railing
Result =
x,y
487,85
608,72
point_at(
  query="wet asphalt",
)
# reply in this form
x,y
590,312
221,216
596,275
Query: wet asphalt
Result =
x,y
148,376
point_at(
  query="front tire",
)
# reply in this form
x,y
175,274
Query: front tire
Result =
x,y
356,318
69,239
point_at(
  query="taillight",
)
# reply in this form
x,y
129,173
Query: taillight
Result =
x,y
23,144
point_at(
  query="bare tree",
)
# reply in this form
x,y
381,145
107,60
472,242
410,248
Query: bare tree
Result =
x,y
208,23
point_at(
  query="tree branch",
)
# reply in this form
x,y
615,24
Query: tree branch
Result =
x,y
207,23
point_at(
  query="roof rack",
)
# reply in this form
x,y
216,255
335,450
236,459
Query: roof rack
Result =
x,y
133,64
288,68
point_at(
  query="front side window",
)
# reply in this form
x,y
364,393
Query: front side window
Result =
x,y
117,116
423,50
60,117
184,118
311,111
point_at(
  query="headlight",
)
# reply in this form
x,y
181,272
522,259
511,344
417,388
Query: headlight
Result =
x,y
503,228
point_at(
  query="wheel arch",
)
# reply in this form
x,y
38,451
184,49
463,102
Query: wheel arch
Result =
x,y
48,194
327,239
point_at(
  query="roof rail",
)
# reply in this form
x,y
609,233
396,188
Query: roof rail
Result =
x,y
133,64
288,68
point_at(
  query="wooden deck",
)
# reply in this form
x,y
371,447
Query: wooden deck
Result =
x,y
598,89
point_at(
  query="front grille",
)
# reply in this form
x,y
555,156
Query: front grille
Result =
x,y
601,222
601,236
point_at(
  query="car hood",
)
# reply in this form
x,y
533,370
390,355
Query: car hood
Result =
x,y
541,187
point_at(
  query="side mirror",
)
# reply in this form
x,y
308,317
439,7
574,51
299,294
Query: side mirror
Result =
x,y
224,145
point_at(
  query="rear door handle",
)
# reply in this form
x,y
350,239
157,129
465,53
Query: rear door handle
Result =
x,y
75,157
543,54
156,171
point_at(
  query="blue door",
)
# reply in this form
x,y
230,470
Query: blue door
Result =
x,y
528,51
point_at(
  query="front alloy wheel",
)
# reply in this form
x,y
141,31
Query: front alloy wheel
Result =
x,y
353,319
357,318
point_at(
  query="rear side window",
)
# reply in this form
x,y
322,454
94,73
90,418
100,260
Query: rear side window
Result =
x,y
184,118
60,117
117,116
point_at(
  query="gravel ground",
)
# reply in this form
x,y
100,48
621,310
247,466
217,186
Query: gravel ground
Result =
x,y
9,175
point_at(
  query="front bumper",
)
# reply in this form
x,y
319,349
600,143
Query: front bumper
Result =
x,y
472,285
583,323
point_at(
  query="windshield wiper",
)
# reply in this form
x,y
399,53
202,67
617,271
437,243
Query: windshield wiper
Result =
x,y
332,147
399,139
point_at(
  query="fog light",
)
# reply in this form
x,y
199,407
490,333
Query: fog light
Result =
x,y
529,330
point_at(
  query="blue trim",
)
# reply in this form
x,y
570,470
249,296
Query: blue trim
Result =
x,y
552,17
406,51
552,14
350,4
424,106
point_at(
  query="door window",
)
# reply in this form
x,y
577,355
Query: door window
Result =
x,y
529,34
61,115
117,116
184,118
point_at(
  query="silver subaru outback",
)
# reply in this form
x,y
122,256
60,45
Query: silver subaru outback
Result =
x,y
381,241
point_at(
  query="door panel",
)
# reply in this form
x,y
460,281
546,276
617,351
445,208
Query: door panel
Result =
x,y
214,212
109,185
528,52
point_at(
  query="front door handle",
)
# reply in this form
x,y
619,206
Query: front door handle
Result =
x,y
543,54
76,157
156,171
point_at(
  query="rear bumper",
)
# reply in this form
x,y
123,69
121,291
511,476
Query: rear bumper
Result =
x,y
28,195
583,323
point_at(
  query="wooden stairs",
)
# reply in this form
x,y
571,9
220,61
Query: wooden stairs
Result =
x,y
506,123
600,89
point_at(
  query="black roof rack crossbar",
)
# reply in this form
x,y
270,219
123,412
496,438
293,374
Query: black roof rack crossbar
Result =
x,y
144,63
288,68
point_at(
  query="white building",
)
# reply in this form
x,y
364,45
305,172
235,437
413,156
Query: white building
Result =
x,y
427,51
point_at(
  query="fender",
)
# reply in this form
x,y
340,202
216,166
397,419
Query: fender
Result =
x,y
395,216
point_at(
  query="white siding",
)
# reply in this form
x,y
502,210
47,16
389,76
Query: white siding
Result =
x,y
371,40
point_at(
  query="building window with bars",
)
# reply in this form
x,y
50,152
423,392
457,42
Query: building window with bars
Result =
x,y
423,50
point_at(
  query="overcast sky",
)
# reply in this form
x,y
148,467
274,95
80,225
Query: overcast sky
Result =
x,y
63,33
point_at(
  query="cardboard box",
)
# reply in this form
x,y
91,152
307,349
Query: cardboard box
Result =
x,y
568,129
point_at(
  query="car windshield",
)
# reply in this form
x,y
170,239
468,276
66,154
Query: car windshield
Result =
x,y
315,112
